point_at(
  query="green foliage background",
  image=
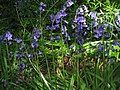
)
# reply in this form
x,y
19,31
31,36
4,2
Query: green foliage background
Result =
x,y
20,17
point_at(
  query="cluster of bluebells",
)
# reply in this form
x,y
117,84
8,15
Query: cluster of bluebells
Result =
x,y
104,48
67,4
100,28
83,29
21,55
36,35
81,26
9,39
97,29
59,17
58,22
94,19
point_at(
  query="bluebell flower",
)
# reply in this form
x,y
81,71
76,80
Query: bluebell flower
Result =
x,y
59,15
97,35
18,40
116,43
79,28
64,29
65,33
64,7
107,35
22,66
85,8
53,27
85,25
52,18
8,36
52,38
100,47
22,46
80,20
80,41
34,44
48,28
93,15
30,56
57,37
8,43
85,33
79,12
36,34
80,24
69,3
94,23
99,31
42,7
111,60
19,55
118,20
57,18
